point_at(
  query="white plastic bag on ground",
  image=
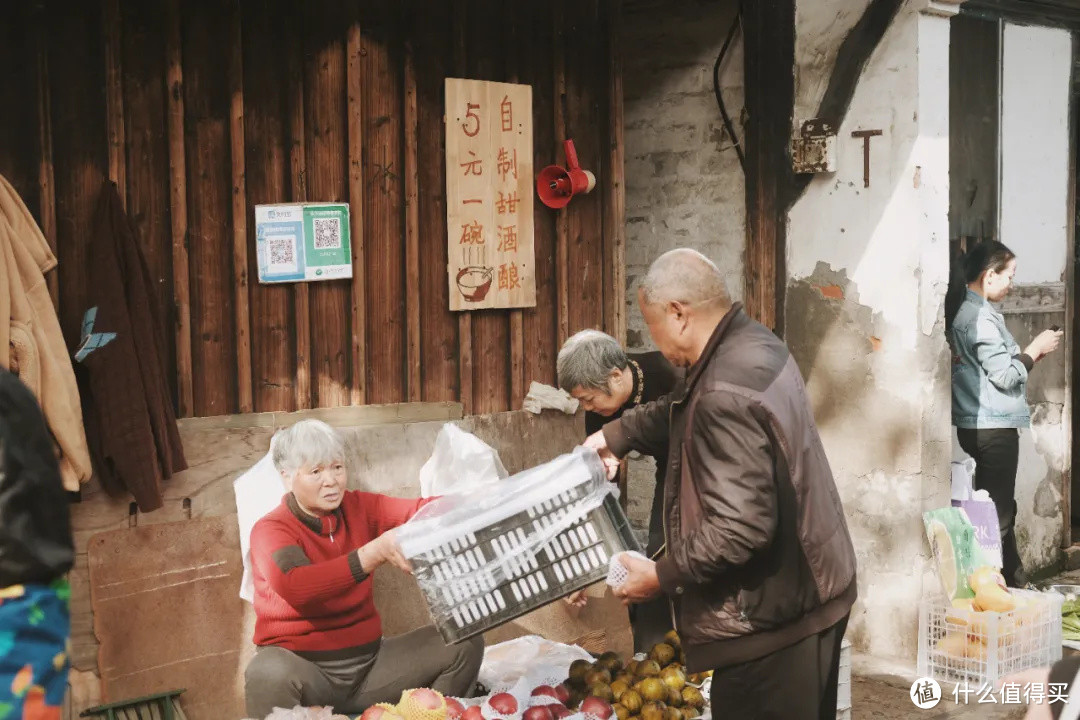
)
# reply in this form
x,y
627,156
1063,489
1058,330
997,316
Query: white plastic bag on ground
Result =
x,y
530,660
302,713
460,461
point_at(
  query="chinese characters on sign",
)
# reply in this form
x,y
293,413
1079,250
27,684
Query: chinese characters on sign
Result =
x,y
489,207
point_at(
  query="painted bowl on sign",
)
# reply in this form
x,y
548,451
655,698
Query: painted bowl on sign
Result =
x,y
474,282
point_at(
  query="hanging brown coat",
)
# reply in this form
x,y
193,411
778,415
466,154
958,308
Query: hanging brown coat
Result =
x,y
130,416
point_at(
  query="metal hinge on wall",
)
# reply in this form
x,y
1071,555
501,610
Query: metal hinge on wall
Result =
x,y
814,149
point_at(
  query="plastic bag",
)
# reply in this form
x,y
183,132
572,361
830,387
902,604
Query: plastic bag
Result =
x,y
529,659
444,532
303,713
460,462
258,491
963,473
982,512
956,552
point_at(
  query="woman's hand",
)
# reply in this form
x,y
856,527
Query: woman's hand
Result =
x,y
383,549
598,442
1044,343
577,599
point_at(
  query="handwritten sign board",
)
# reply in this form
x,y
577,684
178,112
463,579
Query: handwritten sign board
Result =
x,y
489,200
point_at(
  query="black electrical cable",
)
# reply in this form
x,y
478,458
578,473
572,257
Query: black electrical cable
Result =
x,y
719,96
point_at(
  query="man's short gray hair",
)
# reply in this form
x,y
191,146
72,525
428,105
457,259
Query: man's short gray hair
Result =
x,y
306,444
684,276
587,359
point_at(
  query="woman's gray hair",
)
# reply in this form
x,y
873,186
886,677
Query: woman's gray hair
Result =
x,y
587,359
306,444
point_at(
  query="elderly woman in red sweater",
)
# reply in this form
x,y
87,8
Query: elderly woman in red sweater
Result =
x,y
318,633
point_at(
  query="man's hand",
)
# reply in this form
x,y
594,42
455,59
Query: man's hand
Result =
x,y
578,599
642,583
598,442
383,549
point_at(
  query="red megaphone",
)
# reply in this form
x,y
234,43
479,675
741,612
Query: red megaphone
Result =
x,y
556,186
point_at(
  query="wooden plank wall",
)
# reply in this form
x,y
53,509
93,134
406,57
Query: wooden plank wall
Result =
x,y
200,109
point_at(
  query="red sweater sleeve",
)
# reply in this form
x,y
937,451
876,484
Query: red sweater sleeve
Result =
x,y
279,558
386,513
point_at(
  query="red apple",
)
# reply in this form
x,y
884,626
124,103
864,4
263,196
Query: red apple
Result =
x,y
597,708
454,709
537,712
562,693
472,713
426,698
504,703
561,712
545,691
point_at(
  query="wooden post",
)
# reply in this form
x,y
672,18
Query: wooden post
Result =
x,y
354,80
615,220
239,216
299,194
46,175
114,97
412,232
465,386
562,222
174,88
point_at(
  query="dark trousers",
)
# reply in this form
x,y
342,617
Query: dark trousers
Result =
x,y
651,620
277,677
996,452
795,683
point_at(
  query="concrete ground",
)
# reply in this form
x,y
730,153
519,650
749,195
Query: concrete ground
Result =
x,y
885,697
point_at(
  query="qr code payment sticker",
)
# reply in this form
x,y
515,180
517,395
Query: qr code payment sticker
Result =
x,y
327,233
281,252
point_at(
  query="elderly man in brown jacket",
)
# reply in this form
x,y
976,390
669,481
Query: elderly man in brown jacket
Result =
x,y
759,566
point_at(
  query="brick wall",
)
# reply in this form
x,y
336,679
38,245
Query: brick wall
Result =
x,y
684,186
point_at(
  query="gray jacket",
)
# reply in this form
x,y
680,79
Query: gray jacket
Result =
x,y
989,371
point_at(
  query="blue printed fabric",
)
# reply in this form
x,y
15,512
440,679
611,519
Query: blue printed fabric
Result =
x,y
35,624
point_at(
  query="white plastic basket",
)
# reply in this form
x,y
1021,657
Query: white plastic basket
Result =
x,y
843,689
960,646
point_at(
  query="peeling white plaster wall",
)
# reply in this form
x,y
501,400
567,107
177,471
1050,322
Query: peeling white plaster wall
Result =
x,y
820,27
870,266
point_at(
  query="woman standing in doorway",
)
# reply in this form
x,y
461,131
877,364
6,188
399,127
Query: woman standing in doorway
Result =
x,y
989,389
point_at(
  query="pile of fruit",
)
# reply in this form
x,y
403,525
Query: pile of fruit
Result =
x,y
418,704
654,688
969,621
657,688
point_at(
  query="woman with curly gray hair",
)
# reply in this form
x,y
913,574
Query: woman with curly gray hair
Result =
x,y
594,368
